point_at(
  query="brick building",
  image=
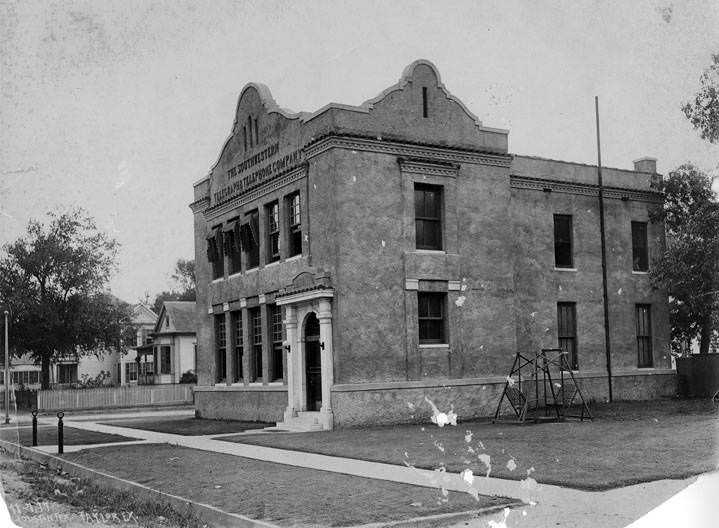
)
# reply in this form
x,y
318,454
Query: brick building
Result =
x,y
353,260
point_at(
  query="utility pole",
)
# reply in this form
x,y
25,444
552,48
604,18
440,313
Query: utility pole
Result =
x,y
7,372
603,243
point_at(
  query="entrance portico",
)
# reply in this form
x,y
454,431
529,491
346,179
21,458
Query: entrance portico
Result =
x,y
310,372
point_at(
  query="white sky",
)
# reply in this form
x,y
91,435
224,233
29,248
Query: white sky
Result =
x,y
120,106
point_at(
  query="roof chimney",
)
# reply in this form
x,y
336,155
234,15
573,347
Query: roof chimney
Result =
x,y
646,165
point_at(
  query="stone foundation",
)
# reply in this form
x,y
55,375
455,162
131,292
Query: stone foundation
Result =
x,y
390,403
404,402
253,404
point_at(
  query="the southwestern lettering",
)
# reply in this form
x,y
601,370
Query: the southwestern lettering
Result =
x,y
259,176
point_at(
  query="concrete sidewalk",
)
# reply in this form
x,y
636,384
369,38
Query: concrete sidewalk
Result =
x,y
547,505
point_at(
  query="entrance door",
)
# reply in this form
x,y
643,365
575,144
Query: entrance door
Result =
x,y
313,363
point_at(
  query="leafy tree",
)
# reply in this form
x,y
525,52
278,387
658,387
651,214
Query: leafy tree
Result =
x,y
52,281
183,287
689,268
703,112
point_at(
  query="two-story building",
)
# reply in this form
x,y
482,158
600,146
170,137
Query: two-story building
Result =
x,y
354,260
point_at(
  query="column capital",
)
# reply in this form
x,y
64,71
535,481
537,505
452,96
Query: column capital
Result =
x,y
324,313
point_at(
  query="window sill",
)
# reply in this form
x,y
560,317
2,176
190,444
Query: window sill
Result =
x,y
219,279
634,272
434,345
276,383
273,263
251,270
294,257
431,251
564,269
236,274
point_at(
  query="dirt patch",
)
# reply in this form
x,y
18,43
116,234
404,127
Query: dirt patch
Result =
x,y
37,496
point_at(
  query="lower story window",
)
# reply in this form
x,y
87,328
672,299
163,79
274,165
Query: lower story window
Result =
x,y
276,333
239,348
567,331
221,343
25,377
644,335
256,340
67,373
131,371
165,360
431,316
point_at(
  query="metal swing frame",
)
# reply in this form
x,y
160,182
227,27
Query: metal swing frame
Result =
x,y
534,396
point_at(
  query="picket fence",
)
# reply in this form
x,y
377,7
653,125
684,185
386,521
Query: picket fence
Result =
x,y
109,397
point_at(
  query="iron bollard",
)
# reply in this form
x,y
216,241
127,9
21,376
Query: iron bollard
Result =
x,y
59,432
34,427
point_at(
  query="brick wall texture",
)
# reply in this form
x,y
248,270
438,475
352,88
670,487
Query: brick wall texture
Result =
x,y
356,179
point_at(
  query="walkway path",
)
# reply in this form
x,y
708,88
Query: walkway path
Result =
x,y
553,505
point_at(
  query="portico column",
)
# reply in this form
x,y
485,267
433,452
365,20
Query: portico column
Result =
x,y
291,331
325,318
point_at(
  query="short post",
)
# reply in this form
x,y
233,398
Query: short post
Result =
x,y
34,427
59,432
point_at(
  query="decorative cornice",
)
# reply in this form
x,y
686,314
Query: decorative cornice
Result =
x,y
266,188
406,150
311,293
586,189
426,167
200,205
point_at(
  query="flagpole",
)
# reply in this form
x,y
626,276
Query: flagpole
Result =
x,y
603,244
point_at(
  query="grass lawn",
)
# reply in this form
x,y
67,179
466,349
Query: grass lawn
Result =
x,y
277,493
627,443
47,435
187,426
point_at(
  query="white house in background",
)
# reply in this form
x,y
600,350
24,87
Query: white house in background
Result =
x,y
173,346
143,319
23,371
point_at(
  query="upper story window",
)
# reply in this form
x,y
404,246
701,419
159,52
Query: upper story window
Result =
x,y
431,317
563,241
215,253
233,247
640,249
273,231
428,216
425,107
250,232
294,220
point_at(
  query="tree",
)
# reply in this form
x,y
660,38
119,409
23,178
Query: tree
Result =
x,y
183,288
689,268
52,280
703,112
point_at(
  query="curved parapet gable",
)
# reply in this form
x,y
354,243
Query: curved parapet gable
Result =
x,y
268,141
264,142
418,108
407,77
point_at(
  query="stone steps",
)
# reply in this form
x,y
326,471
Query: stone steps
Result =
x,y
305,421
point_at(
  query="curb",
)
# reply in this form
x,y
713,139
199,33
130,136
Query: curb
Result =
x,y
210,514
442,519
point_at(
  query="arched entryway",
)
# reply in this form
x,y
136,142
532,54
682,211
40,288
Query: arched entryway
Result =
x,y
313,363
